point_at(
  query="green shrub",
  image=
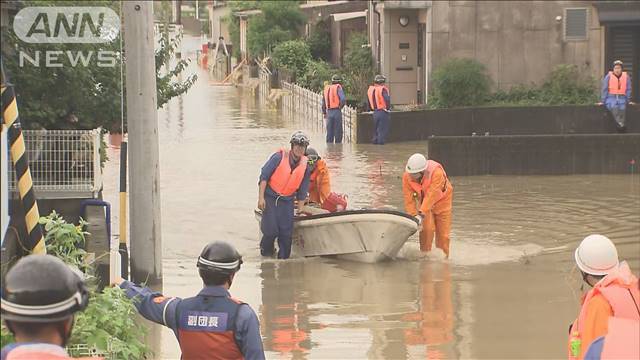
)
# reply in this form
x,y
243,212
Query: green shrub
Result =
x,y
316,74
293,55
460,82
358,67
568,85
109,322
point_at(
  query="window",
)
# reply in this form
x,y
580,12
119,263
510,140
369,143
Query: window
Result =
x,y
575,24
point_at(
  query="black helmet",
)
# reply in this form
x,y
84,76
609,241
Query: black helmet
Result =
x,y
299,138
379,79
219,256
42,288
312,154
336,79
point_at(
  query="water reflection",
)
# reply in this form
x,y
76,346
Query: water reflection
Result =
x,y
434,319
312,304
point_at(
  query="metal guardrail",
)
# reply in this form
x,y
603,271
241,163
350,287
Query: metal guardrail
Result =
x,y
307,105
63,163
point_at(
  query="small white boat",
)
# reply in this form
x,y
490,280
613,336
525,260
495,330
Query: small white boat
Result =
x,y
358,235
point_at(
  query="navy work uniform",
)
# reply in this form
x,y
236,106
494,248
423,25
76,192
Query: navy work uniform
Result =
x,y
210,325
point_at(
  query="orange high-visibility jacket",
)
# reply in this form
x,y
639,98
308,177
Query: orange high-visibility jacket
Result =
x,y
618,86
285,181
434,187
320,184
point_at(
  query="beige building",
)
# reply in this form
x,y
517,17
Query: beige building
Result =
x,y
518,41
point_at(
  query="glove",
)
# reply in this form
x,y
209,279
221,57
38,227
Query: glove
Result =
x,y
419,218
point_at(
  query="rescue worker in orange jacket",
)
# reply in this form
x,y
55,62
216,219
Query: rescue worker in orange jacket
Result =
x,y
425,183
40,296
379,102
621,342
284,178
320,182
616,94
614,293
333,100
211,325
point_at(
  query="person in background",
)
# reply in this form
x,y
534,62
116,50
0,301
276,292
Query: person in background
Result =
x,y
616,94
614,293
426,183
284,178
212,324
379,102
40,296
333,100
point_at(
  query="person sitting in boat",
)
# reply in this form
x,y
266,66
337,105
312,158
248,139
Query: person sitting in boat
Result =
x,y
320,183
284,178
426,183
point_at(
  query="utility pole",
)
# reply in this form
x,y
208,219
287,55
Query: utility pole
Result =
x,y
144,205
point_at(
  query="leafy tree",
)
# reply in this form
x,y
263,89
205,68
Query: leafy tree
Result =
x,y
320,42
292,55
75,96
278,22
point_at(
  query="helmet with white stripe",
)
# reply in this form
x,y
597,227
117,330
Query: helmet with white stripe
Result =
x,y
42,289
219,257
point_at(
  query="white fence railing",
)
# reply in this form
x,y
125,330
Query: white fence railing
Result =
x,y
63,161
307,106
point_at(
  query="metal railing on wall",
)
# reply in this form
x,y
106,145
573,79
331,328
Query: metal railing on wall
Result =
x,y
306,105
63,161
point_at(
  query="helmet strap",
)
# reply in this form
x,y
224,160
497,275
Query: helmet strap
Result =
x,y
62,331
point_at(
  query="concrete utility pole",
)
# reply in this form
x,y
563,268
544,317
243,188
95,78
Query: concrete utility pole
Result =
x,y
144,205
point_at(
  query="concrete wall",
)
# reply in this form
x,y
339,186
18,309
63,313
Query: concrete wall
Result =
x,y
537,154
218,25
518,41
538,120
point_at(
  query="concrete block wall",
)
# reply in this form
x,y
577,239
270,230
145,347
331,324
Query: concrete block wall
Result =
x,y
535,120
537,154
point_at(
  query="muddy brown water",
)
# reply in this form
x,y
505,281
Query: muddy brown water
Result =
x,y
509,290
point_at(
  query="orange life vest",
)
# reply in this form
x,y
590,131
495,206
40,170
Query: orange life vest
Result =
x,y
331,98
421,188
376,100
620,289
622,340
285,181
618,86
28,353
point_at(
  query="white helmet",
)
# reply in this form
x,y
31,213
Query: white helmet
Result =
x,y
597,255
416,164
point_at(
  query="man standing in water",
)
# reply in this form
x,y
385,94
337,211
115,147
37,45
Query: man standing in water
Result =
x,y
284,178
212,324
425,183
616,93
379,102
333,101
614,295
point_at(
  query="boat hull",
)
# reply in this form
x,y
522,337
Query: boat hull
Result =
x,y
358,235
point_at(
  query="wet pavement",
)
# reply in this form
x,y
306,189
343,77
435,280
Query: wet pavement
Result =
x,y
509,290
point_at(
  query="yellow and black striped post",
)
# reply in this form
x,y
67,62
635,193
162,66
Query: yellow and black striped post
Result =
x,y
35,240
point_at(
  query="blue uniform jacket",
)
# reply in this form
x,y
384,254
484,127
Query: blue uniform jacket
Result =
x,y
162,310
343,100
270,167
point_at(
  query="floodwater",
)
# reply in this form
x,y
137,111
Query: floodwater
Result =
x,y
509,290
